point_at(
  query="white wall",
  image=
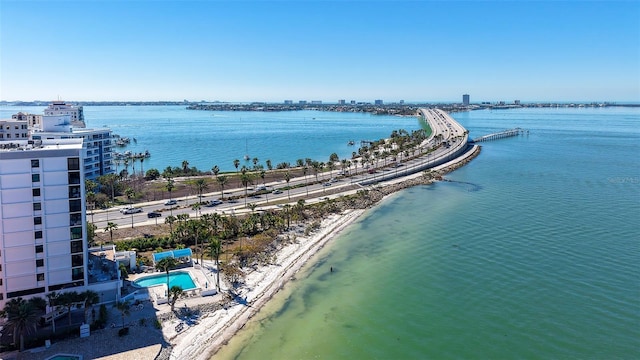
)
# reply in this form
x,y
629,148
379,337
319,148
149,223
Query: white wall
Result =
x,y
56,192
13,181
17,210
21,238
14,166
16,195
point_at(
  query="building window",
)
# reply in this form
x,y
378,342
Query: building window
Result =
x,y
75,205
35,192
37,220
37,206
76,260
74,178
39,248
76,233
74,192
35,163
40,277
35,177
39,262
73,163
75,220
38,235
77,274
76,246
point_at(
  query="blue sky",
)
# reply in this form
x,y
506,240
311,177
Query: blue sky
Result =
x,y
320,50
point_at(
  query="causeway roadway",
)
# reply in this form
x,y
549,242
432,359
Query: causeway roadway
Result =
x,y
447,143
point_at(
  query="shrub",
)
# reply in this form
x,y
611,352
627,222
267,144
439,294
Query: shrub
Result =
x,y
157,324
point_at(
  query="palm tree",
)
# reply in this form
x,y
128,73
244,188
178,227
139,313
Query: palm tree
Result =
x,y
166,265
215,250
90,298
287,178
269,165
52,298
68,299
201,185
170,185
22,318
304,171
141,168
255,162
185,167
245,178
174,294
110,228
123,307
236,163
215,170
170,220
222,181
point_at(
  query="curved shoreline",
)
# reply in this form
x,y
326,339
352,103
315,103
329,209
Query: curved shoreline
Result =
x,y
203,341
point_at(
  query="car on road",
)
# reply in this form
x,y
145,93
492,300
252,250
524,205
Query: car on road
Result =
x,y
277,192
131,210
261,188
213,203
170,202
154,214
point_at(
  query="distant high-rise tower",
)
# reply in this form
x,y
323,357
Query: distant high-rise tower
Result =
x,y
465,99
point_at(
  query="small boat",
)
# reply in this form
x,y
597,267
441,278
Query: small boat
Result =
x,y
351,143
246,150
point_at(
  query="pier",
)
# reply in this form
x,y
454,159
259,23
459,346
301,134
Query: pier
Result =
x,y
501,135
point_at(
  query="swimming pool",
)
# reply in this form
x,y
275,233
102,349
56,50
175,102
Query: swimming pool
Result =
x,y
65,357
179,278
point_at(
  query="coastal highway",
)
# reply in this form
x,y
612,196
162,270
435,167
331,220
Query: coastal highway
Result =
x,y
447,141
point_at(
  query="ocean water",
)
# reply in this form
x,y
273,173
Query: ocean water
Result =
x,y
173,134
531,251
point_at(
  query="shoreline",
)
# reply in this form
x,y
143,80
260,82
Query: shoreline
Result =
x,y
215,329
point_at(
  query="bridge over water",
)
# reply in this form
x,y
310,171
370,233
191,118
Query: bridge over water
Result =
x,y
501,134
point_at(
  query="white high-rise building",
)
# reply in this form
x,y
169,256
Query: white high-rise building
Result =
x,y
97,148
61,108
43,239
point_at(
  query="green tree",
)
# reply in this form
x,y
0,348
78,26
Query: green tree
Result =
x,y
287,178
174,294
123,308
68,299
170,220
166,265
222,181
90,298
152,174
185,167
236,163
215,170
52,299
110,228
201,185
22,319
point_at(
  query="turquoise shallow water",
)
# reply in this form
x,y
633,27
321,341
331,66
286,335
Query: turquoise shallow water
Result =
x,y
531,251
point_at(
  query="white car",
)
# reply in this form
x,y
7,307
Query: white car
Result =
x,y
132,210
170,202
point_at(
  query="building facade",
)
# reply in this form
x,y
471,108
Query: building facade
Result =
x,y
466,100
13,130
43,239
97,147
76,113
33,120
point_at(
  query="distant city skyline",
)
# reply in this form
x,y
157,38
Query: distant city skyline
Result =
x,y
271,51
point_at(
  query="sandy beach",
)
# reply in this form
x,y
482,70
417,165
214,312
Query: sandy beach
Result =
x,y
217,323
